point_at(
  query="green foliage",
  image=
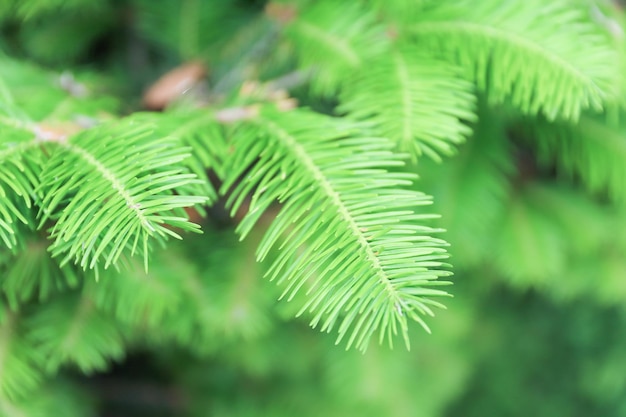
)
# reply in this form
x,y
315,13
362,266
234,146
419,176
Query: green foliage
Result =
x,y
134,178
592,151
396,94
72,330
19,171
61,397
293,154
471,190
32,273
189,27
32,94
333,41
30,9
378,262
513,52
20,359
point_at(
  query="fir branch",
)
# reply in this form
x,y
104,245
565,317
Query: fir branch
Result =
x,y
137,297
19,360
31,275
119,194
419,102
199,132
332,41
512,51
373,272
471,190
593,150
70,329
216,301
20,161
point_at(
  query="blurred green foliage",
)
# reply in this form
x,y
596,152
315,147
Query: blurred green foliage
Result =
x,y
512,115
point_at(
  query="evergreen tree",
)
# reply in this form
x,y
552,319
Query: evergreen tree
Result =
x,y
159,159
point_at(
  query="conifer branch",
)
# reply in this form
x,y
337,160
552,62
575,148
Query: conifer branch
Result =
x,y
592,150
120,194
19,170
512,52
419,102
19,360
373,272
331,42
70,329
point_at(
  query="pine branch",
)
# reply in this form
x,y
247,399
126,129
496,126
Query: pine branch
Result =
x,y
31,275
200,131
592,150
513,52
19,360
119,195
70,329
19,168
333,41
214,301
419,102
471,190
139,298
20,161
373,272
